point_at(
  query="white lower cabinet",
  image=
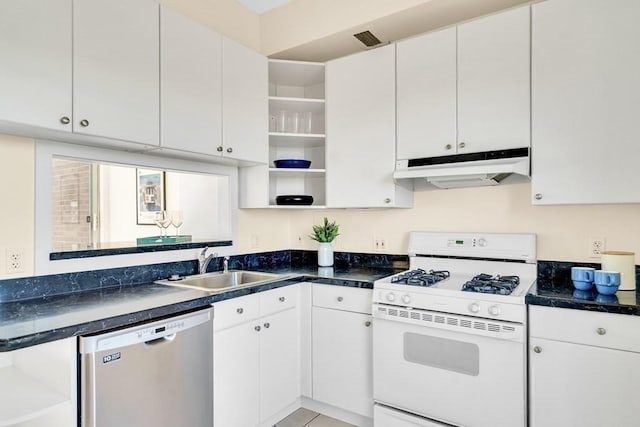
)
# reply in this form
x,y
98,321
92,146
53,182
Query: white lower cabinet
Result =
x,y
584,368
38,386
256,358
342,358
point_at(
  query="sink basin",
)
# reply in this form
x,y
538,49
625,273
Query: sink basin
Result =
x,y
220,281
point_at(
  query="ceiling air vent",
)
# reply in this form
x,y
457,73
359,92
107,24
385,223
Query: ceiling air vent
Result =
x,y
367,38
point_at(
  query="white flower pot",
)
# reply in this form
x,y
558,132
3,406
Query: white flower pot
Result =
x,y
325,255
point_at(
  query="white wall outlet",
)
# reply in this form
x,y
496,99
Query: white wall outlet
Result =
x,y
596,247
379,244
15,260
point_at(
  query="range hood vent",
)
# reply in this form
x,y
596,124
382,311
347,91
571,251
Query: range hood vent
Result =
x,y
466,170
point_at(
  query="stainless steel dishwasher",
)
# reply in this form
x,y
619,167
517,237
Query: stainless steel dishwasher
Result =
x,y
159,374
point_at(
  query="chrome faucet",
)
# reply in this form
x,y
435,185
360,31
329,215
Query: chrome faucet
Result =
x,y
204,260
225,264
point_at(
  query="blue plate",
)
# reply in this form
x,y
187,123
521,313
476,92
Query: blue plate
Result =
x,y
292,163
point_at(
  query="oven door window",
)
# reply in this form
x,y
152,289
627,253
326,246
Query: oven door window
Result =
x,y
442,353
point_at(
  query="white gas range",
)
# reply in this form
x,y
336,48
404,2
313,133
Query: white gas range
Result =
x,y
449,335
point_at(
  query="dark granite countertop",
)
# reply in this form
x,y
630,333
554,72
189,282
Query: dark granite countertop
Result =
x,y
32,321
554,288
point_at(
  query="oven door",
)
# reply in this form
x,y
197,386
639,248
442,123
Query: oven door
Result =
x,y
454,369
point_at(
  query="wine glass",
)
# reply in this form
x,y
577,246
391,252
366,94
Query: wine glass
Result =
x,y
159,220
166,221
177,220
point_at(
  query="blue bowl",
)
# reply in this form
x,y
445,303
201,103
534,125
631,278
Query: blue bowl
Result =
x,y
292,163
607,289
582,286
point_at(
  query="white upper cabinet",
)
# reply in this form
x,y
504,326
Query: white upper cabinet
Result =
x,y
360,123
116,69
244,103
465,89
585,101
190,85
35,75
494,81
426,97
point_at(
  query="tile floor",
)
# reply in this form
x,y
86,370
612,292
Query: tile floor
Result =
x,y
306,418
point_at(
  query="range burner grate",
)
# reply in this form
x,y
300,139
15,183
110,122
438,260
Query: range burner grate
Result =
x,y
420,277
488,284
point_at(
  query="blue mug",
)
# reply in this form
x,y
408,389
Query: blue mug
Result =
x,y
607,278
582,277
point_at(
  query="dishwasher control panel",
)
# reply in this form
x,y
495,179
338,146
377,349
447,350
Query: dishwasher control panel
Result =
x,y
147,333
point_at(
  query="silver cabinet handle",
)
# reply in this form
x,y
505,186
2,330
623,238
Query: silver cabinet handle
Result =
x,y
448,147
240,310
266,325
281,299
367,323
387,200
229,150
537,349
601,331
84,123
219,148
538,196
257,328
462,145
65,120
340,299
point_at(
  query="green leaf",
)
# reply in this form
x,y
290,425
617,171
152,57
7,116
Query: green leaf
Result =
x,y
326,232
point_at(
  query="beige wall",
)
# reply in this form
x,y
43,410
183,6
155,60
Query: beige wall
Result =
x,y
302,21
563,231
228,17
17,195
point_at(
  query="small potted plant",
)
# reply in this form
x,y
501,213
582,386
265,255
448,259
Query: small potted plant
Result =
x,y
325,234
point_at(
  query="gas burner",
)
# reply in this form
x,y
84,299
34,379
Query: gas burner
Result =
x,y
420,277
487,284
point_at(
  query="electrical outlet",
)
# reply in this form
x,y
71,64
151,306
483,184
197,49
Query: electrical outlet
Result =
x,y
596,247
15,260
379,244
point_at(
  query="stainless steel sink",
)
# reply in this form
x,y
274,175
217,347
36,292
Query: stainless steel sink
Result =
x,y
221,281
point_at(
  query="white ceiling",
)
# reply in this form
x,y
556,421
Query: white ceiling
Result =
x,y
262,6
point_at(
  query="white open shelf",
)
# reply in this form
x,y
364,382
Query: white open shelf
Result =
x,y
295,172
305,140
277,103
23,398
297,206
295,73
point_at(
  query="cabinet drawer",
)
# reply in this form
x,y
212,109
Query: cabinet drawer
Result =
x,y
342,298
607,330
278,299
234,311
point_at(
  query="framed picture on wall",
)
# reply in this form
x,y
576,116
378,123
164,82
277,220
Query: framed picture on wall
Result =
x,y
150,194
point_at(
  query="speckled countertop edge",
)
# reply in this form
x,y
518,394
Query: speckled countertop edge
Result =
x,y
35,321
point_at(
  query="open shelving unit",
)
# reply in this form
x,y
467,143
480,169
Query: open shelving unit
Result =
x,y
38,385
297,87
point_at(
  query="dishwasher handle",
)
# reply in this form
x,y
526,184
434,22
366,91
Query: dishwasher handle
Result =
x,y
150,333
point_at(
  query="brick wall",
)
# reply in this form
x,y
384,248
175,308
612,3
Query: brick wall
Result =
x,y
71,205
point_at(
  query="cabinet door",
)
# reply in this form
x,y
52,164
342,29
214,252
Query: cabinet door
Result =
x,y
342,364
279,362
568,381
360,121
116,69
35,76
585,101
245,103
494,82
190,85
426,85
235,376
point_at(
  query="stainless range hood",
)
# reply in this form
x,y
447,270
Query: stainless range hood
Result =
x,y
466,170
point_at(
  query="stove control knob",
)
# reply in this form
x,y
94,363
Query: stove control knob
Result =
x,y
391,297
482,242
474,307
406,299
494,310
